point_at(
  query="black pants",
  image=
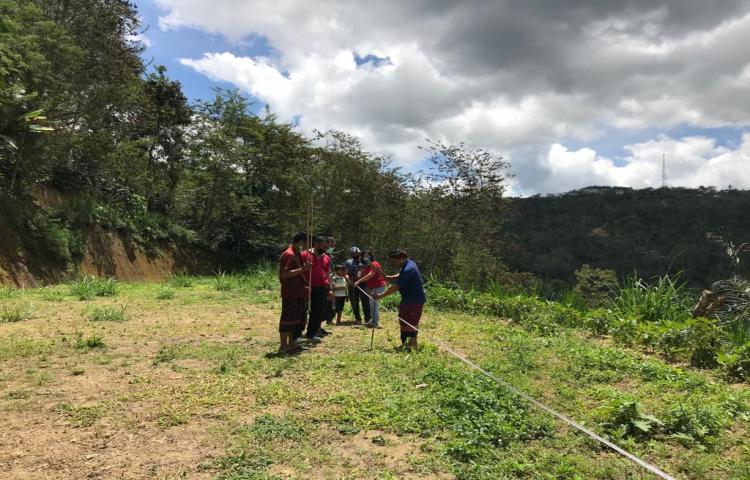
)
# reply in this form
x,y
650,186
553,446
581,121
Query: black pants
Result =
x,y
318,310
357,297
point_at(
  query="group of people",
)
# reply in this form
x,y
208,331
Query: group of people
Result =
x,y
315,290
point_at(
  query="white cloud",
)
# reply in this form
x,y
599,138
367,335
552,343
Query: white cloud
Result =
x,y
690,162
514,77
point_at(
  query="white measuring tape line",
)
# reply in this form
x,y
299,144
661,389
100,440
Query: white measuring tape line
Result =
x,y
651,468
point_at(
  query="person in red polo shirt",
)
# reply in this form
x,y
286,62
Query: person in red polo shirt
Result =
x,y
374,278
293,272
320,292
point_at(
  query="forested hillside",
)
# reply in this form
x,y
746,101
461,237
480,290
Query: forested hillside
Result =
x,y
82,116
650,232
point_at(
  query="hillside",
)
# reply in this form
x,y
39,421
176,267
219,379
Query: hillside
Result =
x,y
181,380
648,231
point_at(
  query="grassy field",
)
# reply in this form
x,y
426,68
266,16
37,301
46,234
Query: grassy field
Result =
x,y
181,380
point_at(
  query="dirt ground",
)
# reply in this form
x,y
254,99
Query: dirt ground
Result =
x,y
149,404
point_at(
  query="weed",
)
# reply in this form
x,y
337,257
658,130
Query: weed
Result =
x,y
165,293
171,417
8,293
664,300
83,416
87,287
52,294
108,314
736,362
165,354
89,343
269,427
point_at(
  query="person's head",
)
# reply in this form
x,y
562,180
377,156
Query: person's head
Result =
x,y
299,240
340,270
320,243
331,245
354,252
397,257
367,257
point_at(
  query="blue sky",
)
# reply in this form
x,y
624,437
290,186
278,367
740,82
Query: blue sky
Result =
x,y
595,103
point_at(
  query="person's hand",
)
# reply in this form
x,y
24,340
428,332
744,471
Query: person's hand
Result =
x,y
307,266
376,296
356,284
330,295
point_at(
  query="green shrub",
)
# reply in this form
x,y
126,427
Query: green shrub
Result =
x,y
87,287
699,423
736,362
598,321
108,314
706,341
52,294
165,293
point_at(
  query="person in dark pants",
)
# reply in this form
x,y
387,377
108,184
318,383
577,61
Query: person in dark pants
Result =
x,y
293,267
320,291
409,283
355,270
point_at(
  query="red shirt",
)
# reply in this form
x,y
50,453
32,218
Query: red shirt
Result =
x,y
377,280
293,287
321,266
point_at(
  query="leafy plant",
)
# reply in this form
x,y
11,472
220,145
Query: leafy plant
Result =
x,y
736,362
623,417
663,300
180,280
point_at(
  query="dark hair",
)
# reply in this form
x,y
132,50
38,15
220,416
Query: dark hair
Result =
x,y
331,239
398,253
320,239
340,267
369,254
300,237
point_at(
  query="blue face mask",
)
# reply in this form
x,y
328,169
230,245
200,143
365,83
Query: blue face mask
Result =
x,y
329,250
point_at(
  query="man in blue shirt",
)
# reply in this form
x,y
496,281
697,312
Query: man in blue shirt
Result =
x,y
355,269
408,282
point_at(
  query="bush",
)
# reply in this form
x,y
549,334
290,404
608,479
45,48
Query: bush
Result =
x,y
598,321
706,340
224,282
736,363
89,287
696,423
108,314
593,285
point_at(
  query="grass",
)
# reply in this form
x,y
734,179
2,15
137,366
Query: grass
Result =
x,y
15,314
196,375
108,314
87,287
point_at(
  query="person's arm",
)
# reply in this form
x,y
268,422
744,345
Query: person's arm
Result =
x,y
391,290
286,272
392,278
377,268
364,279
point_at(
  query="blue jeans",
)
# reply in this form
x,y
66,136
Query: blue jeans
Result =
x,y
374,313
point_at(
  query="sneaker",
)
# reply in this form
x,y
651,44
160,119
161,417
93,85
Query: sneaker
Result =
x,y
299,340
325,332
316,339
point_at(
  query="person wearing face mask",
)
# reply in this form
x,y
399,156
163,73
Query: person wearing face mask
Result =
x,y
294,267
355,270
320,291
374,279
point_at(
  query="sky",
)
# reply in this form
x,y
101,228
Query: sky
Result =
x,y
572,94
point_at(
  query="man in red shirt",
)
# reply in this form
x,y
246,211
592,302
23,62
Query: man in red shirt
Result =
x,y
294,268
321,291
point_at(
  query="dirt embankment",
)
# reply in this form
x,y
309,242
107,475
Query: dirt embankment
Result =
x,y
106,254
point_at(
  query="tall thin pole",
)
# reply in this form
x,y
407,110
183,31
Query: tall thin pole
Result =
x,y
663,170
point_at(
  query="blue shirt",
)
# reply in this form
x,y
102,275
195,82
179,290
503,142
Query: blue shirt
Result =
x,y
355,268
410,286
